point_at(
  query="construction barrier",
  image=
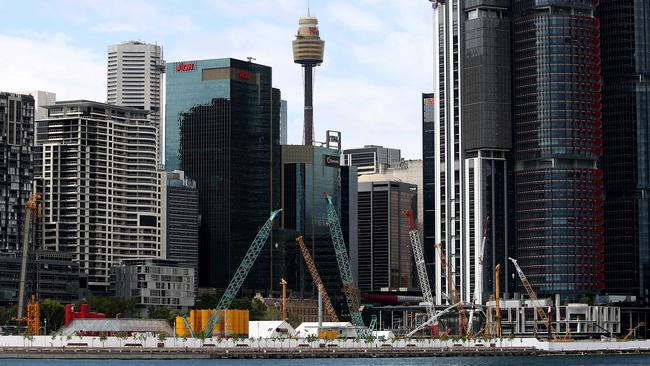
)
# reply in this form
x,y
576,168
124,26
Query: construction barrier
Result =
x,y
233,324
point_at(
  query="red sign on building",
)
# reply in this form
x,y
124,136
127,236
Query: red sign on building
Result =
x,y
184,67
245,75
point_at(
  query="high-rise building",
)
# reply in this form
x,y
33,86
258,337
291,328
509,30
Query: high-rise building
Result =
x,y
283,122
371,159
180,201
625,54
41,100
135,78
466,138
16,169
100,184
308,51
557,143
222,123
385,257
349,215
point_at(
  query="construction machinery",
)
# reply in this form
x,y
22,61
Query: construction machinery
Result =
x,y
283,283
478,285
420,266
631,331
311,266
497,308
451,286
351,292
237,280
33,210
533,297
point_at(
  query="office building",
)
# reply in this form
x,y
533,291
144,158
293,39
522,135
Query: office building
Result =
x,y
466,138
626,119
41,100
370,158
283,122
407,171
180,202
557,143
349,215
154,282
50,275
135,78
16,170
223,125
385,256
100,184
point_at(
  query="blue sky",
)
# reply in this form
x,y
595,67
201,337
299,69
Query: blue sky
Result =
x,y
377,54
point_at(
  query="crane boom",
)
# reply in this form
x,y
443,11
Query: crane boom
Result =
x,y
351,292
451,286
533,297
31,212
420,266
241,274
311,266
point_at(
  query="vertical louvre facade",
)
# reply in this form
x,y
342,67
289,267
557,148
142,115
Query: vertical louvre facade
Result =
x,y
625,40
16,169
558,140
385,258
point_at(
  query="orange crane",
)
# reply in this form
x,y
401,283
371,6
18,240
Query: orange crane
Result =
x,y
311,266
33,210
451,286
497,325
283,283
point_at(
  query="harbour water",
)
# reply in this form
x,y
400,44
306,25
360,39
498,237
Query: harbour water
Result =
x,y
593,360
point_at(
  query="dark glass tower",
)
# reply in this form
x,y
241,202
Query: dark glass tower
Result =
x,y
558,141
227,117
626,159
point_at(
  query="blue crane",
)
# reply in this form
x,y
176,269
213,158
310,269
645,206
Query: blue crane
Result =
x,y
239,277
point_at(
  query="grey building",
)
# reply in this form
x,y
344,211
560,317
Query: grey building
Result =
x,y
50,275
370,158
466,138
135,78
384,252
283,122
154,282
100,185
181,206
349,215
16,169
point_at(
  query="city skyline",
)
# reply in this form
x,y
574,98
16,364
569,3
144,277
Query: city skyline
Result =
x,y
62,48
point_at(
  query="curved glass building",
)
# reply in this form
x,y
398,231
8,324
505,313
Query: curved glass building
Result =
x,y
558,140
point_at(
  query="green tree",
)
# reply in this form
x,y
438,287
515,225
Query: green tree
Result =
x,y
293,320
207,301
52,311
161,312
273,313
111,306
241,304
258,310
7,313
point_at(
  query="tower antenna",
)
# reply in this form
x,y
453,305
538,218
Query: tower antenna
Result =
x,y
308,13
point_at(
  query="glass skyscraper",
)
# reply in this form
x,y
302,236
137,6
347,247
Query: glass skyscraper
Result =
x,y
222,129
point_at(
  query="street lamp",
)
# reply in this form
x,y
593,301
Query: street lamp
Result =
x,y
45,327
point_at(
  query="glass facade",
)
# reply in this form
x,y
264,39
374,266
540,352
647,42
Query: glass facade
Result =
x,y
626,158
223,130
558,140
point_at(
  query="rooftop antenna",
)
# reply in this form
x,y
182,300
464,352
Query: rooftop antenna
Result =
x,y
308,14
251,59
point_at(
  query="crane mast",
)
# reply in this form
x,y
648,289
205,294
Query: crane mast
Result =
x,y
311,266
451,286
239,277
497,290
351,292
478,285
32,211
533,297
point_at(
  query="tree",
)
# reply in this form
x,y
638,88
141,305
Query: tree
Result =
x,y
111,306
207,301
258,310
53,312
161,312
241,304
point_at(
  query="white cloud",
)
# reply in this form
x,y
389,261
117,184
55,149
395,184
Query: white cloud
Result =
x,y
53,65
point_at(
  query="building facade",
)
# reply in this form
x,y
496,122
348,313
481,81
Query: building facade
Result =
x,y
349,215
154,282
180,202
50,275
385,257
16,169
626,157
135,78
283,122
557,143
100,184
466,138
222,123
370,158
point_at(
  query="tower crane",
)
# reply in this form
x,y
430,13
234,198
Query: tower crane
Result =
x,y
533,298
478,286
283,283
311,266
497,296
32,212
451,286
418,256
351,292
239,277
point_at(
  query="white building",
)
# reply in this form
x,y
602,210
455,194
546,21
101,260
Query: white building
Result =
x,y
135,78
270,329
100,184
310,329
